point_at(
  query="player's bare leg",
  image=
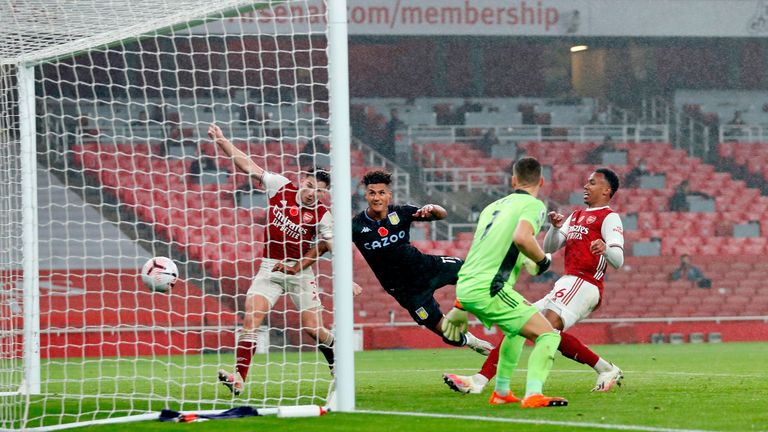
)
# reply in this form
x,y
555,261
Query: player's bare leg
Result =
x,y
608,374
256,309
312,323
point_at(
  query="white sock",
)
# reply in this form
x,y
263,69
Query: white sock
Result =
x,y
247,335
602,366
480,379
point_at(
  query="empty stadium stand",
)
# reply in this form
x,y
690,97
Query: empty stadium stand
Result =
x,y
117,316
752,156
92,302
203,221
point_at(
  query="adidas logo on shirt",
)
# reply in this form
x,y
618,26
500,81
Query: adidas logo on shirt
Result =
x,y
365,230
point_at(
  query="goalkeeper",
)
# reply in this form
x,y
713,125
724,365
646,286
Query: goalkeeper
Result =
x,y
505,236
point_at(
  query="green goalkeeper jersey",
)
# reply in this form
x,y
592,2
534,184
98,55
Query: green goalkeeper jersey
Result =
x,y
494,260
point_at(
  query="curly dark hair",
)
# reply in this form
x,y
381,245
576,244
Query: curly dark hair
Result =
x,y
610,177
377,177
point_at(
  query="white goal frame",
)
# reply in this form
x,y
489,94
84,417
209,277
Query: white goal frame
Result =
x,y
25,63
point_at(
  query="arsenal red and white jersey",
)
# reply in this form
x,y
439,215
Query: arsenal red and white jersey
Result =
x,y
582,228
291,227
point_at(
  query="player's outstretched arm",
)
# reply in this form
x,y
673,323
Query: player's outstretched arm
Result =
x,y
527,244
242,161
431,212
311,256
307,260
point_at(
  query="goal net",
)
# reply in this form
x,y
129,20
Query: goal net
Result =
x,y
105,162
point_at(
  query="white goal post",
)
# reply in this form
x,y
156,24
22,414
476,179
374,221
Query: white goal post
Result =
x,y
105,162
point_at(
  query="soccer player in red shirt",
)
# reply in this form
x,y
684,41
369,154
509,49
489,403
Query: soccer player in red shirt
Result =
x,y
593,238
294,218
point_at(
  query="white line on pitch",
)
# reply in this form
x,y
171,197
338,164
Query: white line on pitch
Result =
x,y
579,371
530,421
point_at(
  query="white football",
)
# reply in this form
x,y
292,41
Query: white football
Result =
x,y
159,274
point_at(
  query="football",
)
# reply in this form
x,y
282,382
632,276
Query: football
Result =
x,y
159,274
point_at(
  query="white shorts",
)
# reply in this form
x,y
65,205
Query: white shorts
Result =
x,y
301,287
572,298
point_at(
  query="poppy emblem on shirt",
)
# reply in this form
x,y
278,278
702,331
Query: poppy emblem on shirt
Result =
x,y
383,231
294,211
307,217
591,219
394,219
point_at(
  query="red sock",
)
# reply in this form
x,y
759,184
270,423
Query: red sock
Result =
x,y
243,354
489,367
574,349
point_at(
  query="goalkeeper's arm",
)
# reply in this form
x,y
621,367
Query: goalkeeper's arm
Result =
x,y
527,244
455,323
242,161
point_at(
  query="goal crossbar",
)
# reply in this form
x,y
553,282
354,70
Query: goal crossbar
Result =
x,y
35,39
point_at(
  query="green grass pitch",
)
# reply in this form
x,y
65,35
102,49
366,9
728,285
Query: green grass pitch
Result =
x,y
715,387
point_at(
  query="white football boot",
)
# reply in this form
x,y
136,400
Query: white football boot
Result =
x,y
606,380
463,384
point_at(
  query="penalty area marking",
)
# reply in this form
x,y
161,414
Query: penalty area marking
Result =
x,y
529,421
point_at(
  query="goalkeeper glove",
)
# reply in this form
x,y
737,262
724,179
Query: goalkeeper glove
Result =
x,y
538,268
455,324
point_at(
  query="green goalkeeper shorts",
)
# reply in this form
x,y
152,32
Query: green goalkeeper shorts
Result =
x,y
507,309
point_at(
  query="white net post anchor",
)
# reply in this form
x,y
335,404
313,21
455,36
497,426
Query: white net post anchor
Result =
x,y
300,411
